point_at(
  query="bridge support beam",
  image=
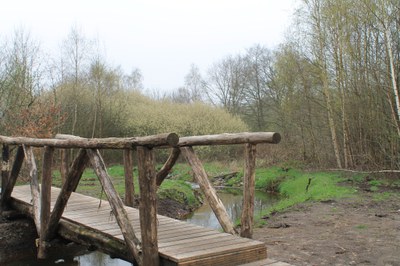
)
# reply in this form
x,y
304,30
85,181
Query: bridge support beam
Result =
x,y
148,206
202,179
246,229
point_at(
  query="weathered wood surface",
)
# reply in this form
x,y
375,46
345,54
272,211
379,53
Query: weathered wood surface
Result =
x,y
116,204
5,166
74,175
9,186
247,218
168,139
179,243
231,138
128,173
148,205
167,167
64,164
211,195
45,199
35,190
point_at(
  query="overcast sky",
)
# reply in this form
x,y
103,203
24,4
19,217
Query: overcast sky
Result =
x,y
160,37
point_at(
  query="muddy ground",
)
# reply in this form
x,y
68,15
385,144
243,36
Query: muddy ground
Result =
x,y
356,231
353,231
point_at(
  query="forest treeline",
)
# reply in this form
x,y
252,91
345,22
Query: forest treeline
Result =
x,y
331,89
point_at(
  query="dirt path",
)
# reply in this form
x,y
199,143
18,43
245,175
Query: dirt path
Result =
x,y
359,231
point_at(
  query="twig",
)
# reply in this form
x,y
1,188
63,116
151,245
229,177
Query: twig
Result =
x,y
365,172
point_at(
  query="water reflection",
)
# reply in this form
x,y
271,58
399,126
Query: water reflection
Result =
x,y
232,201
91,259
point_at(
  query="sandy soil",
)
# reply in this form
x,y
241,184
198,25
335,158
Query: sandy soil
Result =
x,y
358,231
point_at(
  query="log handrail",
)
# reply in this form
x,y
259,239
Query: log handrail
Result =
x,y
61,141
230,139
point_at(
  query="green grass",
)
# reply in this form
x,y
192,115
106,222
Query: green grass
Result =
x,y
292,187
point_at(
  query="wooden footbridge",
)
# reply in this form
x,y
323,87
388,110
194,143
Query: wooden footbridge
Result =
x,y
113,226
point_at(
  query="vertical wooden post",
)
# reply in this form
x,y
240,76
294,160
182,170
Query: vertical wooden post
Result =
x,y
148,206
45,199
64,166
202,179
246,229
74,175
35,190
4,168
7,190
129,185
117,206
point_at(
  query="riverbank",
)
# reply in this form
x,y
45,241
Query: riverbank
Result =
x,y
362,230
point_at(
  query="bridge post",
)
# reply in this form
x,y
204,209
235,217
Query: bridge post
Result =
x,y
246,229
148,206
45,199
128,172
4,168
8,188
35,190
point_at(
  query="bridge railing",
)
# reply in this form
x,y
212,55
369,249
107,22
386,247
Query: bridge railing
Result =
x,y
144,252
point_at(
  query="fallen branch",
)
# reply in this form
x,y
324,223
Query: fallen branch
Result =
x,y
365,172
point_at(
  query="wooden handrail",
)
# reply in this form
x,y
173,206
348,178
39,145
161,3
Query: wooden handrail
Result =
x,y
231,138
167,139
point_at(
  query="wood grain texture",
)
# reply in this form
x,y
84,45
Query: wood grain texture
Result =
x,y
179,243
212,198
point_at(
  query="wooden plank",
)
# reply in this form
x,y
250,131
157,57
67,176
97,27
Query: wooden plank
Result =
x,y
197,254
247,218
180,243
207,244
45,198
212,198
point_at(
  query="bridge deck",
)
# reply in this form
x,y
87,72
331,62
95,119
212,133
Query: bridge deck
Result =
x,y
180,243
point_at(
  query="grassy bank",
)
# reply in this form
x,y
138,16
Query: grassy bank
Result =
x,y
292,184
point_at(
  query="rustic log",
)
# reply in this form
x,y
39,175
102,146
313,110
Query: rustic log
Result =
x,y
93,238
74,175
8,188
202,179
246,229
128,171
227,139
116,204
5,169
45,199
65,157
35,190
164,171
148,206
168,139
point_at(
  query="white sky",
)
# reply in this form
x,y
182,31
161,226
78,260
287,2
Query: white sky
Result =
x,y
161,38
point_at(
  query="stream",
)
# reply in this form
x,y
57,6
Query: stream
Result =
x,y
203,216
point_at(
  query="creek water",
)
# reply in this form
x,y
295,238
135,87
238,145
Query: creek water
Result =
x,y
203,216
232,199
